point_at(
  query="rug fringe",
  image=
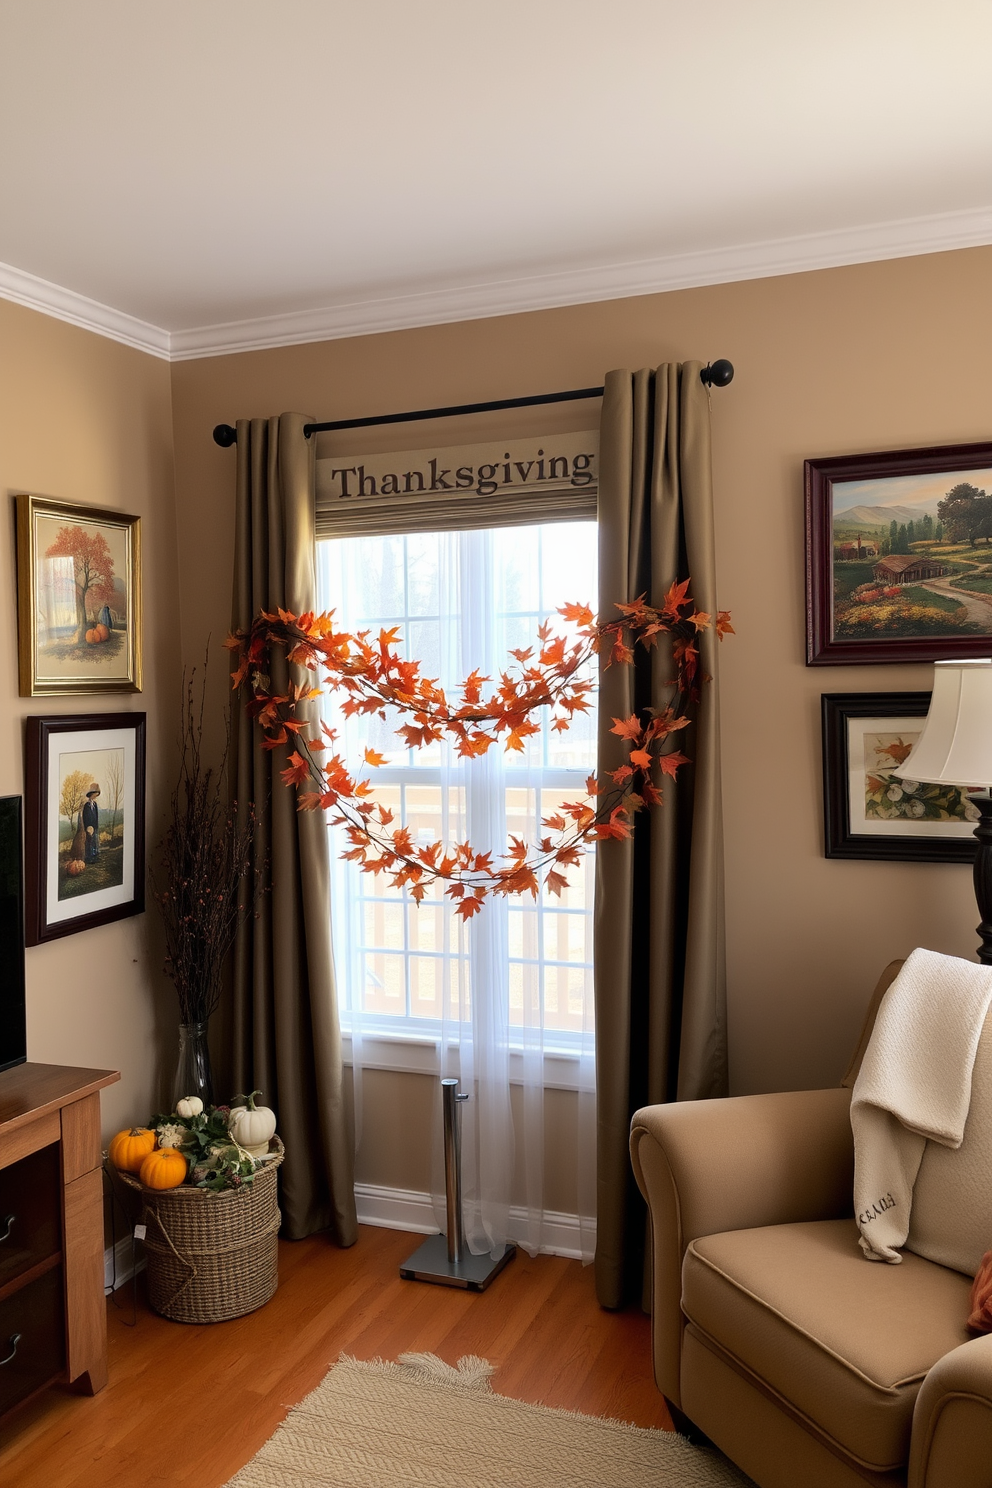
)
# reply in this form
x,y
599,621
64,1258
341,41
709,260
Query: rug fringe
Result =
x,y
471,1372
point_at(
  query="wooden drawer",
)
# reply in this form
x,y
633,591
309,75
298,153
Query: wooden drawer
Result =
x,y
32,1338
30,1218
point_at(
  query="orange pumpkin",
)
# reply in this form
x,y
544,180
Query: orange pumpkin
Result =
x,y
164,1168
92,637
74,867
102,633
129,1149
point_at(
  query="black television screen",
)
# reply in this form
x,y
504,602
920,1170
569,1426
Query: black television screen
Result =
x,y
13,1023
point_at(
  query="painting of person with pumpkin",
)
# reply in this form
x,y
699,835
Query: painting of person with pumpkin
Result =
x,y
89,821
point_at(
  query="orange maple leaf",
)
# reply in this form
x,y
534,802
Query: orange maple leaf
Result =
x,y
675,599
581,614
627,728
615,826
297,770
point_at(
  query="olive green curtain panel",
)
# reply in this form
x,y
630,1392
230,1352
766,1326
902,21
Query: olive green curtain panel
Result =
x,y
286,1035
659,936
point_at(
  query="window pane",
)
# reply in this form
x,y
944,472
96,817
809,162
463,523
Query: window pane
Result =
x,y
463,600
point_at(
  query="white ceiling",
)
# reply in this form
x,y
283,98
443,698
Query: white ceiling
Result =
x,y
324,167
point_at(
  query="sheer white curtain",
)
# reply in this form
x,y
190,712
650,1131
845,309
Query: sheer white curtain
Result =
x,y
507,998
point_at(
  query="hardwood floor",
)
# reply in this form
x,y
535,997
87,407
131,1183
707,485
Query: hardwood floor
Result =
x,y
187,1406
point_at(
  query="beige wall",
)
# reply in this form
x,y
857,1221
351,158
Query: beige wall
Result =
x,y
84,419
870,357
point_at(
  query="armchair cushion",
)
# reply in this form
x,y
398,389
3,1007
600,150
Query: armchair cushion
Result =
x,y
846,1344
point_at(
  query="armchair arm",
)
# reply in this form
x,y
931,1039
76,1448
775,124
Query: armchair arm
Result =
x,y
952,1421
713,1165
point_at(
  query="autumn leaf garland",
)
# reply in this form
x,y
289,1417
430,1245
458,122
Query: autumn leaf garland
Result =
x,y
374,678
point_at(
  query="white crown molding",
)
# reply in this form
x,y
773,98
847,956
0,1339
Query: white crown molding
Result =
x,y
796,255
905,238
66,304
408,1209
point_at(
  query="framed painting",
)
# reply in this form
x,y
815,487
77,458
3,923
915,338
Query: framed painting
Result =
x,y
84,845
868,812
78,599
899,556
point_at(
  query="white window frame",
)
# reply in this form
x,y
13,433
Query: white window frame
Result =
x,y
400,1043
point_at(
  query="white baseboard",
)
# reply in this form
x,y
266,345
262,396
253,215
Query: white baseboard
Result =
x,y
387,1209
119,1263
408,1209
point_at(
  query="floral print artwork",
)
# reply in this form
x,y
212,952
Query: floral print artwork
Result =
x,y
888,797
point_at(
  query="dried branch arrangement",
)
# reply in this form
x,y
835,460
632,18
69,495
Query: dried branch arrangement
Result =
x,y
203,866
556,674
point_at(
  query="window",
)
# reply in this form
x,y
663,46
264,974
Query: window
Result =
x,y
464,599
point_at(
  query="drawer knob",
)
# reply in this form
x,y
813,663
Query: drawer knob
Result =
x,y
8,1226
14,1340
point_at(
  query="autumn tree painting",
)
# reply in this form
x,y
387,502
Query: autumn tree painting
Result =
x,y
78,598
73,794
93,572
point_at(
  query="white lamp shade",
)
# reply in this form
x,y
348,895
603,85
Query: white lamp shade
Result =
x,y
956,743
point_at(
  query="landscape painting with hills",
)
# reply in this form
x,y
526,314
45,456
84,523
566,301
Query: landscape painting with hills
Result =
x,y
912,556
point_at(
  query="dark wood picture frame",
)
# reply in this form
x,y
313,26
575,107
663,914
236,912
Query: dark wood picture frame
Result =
x,y
43,839
822,648
840,841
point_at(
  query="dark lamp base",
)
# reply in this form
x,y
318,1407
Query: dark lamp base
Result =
x,y
983,876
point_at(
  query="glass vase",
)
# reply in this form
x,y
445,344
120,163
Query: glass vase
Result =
x,y
193,1073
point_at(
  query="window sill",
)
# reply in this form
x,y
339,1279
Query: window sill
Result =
x,y
406,1053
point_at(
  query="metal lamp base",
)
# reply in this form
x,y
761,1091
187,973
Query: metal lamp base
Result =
x,y
472,1273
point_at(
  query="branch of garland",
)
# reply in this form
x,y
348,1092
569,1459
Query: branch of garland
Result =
x,y
371,677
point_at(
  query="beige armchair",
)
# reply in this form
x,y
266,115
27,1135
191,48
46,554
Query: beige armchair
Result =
x,y
807,1365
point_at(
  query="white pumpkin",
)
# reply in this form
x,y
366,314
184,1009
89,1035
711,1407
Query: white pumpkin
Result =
x,y
190,1105
252,1126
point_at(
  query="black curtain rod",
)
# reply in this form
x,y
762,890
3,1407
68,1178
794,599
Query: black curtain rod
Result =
x,y
716,374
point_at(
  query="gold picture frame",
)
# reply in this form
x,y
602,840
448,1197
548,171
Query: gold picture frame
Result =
x,y
78,599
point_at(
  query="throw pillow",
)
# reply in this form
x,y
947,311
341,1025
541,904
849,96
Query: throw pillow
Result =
x,y
981,1297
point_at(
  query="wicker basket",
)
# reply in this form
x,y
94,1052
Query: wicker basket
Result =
x,y
212,1256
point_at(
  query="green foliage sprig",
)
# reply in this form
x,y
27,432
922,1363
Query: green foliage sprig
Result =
x,y
216,1159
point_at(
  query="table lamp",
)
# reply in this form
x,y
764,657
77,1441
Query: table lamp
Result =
x,y
955,747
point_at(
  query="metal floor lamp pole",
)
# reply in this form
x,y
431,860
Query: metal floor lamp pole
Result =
x,y
445,1259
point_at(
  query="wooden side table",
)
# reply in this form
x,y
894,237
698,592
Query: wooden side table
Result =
x,y
53,1318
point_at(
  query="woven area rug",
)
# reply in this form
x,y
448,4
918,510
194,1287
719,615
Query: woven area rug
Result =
x,y
421,1421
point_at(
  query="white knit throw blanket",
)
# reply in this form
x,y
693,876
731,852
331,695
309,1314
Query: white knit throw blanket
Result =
x,y
914,1086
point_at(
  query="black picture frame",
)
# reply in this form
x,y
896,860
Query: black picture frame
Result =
x,y
840,840
823,647
53,744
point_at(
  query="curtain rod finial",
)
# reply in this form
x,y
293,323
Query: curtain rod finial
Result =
x,y
717,374
225,436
